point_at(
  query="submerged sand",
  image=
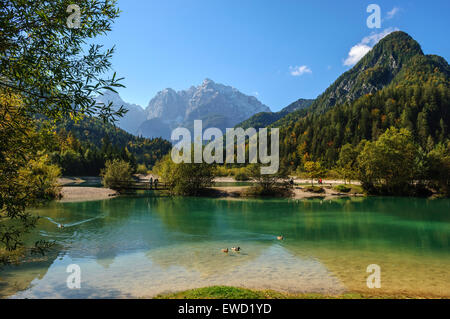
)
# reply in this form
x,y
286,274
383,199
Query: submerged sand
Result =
x,y
81,194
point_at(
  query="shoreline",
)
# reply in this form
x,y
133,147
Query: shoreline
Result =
x,y
297,193
70,194
77,189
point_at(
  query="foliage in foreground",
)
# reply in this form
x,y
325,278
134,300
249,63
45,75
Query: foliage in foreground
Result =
x,y
45,71
26,176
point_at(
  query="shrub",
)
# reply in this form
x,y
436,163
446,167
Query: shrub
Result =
x,y
241,177
269,185
342,189
314,189
117,174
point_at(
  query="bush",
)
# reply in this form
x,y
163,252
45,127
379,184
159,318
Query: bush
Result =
x,y
315,189
342,189
117,174
241,177
269,185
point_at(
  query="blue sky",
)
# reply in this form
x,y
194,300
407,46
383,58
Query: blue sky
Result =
x,y
276,50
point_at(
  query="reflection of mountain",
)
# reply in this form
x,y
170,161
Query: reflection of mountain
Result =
x,y
13,280
186,215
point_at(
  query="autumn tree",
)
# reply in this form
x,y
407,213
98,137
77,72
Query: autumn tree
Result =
x,y
390,164
347,162
314,170
185,178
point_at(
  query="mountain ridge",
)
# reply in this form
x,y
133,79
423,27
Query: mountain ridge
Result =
x,y
218,105
376,70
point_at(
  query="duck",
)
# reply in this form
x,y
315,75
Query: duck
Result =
x,y
60,226
225,250
280,237
236,249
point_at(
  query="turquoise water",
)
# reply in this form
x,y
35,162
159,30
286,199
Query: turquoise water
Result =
x,y
140,246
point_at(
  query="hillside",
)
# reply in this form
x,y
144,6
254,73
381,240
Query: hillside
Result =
x,y
265,119
393,85
84,146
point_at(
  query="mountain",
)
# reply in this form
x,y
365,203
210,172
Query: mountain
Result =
x,y
217,105
395,84
374,71
132,119
265,119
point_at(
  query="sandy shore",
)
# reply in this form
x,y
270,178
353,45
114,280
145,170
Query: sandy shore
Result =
x,y
298,193
329,194
72,193
82,194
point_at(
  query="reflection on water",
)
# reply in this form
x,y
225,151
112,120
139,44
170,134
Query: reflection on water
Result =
x,y
141,246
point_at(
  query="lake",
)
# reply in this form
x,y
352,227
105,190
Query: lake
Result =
x,y
141,246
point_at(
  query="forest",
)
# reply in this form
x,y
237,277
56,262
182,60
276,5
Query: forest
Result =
x,y
81,148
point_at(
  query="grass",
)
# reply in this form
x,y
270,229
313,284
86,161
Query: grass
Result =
x,y
225,292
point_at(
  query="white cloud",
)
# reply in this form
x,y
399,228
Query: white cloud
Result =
x,y
392,13
358,51
299,70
